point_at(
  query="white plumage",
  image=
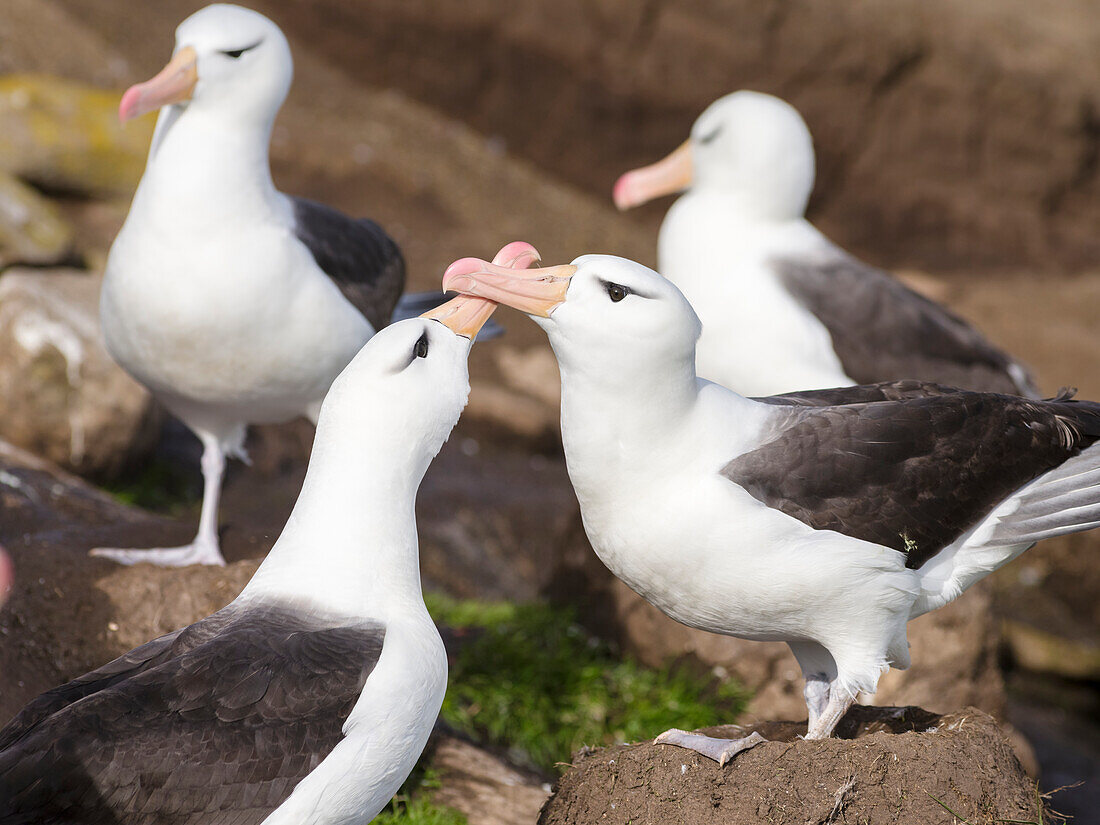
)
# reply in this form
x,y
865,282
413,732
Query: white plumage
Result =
x,y
212,297
826,519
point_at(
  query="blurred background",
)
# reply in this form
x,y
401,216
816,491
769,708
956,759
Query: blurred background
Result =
x,y
958,144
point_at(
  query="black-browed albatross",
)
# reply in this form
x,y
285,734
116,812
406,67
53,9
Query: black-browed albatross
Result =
x,y
234,303
309,698
826,519
763,279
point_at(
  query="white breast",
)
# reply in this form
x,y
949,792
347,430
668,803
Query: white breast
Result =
x,y
757,339
237,316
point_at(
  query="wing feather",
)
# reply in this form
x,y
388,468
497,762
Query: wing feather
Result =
x,y
913,472
881,329
360,258
248,710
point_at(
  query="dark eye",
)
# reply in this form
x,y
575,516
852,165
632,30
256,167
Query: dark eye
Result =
x,y
616,293
235,53
711,135
421,348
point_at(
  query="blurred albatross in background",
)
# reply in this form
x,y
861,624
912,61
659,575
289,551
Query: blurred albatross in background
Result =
x,y
826,519
783,308
232,302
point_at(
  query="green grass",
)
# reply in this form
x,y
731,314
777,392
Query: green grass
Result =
x,y
157,486
532,680
419,810
411,806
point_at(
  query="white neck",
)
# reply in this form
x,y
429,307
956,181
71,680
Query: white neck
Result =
x,y
205,170
612,421
744,204
350,545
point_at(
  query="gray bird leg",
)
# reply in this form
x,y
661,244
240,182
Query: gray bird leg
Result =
x,y
839,702
204,549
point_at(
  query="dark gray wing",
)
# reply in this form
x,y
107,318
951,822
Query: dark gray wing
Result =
x,y
912,474
145,656
221,732
859,394
884,331
362,260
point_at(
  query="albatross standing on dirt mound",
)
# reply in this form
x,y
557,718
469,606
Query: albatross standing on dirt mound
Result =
x,y
766,282
234,303
310,697
826,519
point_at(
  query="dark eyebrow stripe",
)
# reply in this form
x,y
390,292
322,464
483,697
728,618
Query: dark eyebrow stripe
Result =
x,y
711,135
241,51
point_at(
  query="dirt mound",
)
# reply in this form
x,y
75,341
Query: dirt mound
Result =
x,y
890,765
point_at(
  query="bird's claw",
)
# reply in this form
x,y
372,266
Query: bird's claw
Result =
x,y
720,750
163,556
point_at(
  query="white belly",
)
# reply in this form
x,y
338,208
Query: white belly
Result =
x,y
236,323
710,556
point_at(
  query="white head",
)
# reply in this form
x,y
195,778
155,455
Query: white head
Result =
x,y
751,147
609,319
401,395
227,59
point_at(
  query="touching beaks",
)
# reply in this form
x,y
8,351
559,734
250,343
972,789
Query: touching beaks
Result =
x,y
465,315
517,255
174,83
665,177
536,291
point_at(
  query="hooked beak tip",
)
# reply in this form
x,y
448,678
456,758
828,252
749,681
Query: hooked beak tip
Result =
x,y
128,105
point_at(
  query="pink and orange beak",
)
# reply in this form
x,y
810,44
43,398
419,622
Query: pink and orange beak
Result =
x,y
174,83
665,177
537,292
466,315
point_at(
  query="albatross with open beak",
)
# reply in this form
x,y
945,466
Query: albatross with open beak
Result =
x,y
309,698
234,303
764,280
826,519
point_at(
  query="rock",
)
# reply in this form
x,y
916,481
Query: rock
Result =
x,y
31,230
481,785
892,765
1044,652
66,136
936,143
30,34
61,395
69,613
